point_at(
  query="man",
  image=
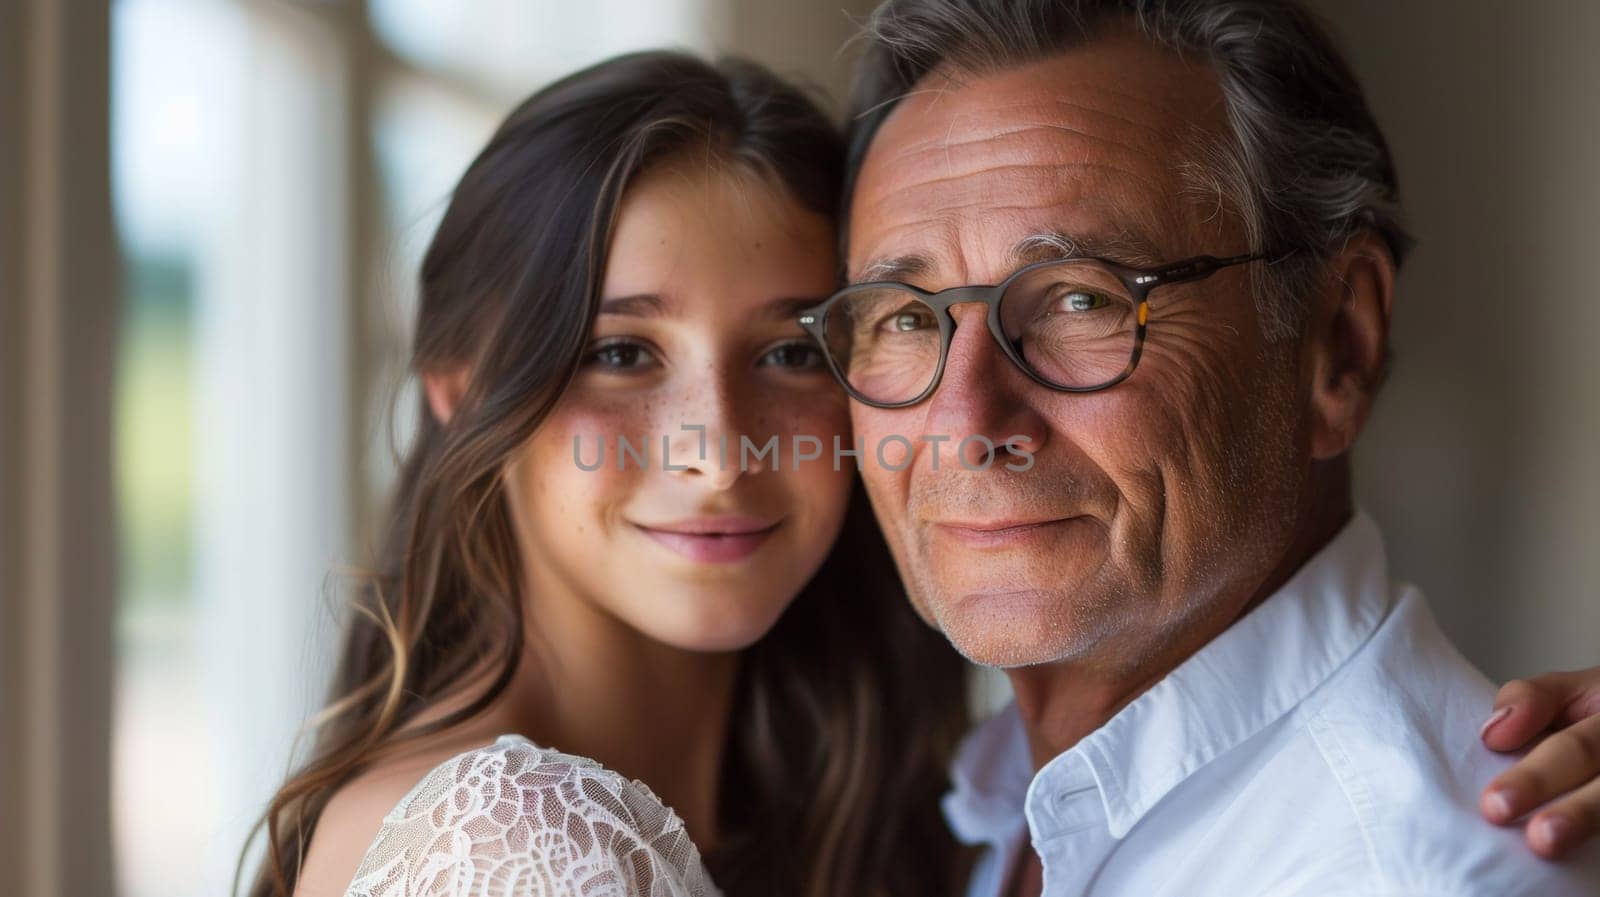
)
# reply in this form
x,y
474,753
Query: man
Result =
x,y
1143,511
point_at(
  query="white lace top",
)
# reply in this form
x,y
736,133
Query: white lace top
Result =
x,y
517,820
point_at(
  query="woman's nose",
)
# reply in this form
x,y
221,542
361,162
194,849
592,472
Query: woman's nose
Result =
x,y
707,444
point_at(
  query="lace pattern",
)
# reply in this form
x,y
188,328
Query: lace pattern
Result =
x,y
517,820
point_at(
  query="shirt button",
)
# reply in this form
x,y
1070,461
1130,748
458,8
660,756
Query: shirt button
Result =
x,y
1076,809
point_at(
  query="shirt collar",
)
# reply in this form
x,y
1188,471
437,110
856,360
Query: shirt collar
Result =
x,y
989,780
1251,675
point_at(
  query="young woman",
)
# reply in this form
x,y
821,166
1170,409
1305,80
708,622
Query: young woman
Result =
x,y
624,258
565,639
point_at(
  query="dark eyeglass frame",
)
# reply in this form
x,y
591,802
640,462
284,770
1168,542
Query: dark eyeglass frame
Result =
x,y
1138,281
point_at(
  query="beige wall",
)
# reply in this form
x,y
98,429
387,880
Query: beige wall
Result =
x,y
809,41
1483,461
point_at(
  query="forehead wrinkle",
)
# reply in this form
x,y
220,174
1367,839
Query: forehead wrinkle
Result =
x,y
1093,156
1074,96
968,161
957,204
1040,122
1005,171
1031,138
912,171
999,173
1163,111
1092,73
1103,229
1034,129
1009,119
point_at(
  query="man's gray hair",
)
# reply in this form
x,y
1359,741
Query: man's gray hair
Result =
x,y
1304,168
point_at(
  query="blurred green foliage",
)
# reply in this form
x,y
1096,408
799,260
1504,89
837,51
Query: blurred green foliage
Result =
x,y
155,432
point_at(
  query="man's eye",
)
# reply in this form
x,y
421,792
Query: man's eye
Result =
x,y
796,355
1082,300
621,357
908,320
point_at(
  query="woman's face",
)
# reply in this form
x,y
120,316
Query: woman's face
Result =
x,y
696,330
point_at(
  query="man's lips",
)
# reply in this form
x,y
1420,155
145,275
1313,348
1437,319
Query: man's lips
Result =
x,y
712,540
999,532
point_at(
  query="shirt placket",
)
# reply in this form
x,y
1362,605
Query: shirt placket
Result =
x,y
1067,820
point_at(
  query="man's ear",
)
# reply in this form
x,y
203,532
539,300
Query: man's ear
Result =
x,y
444,388
1348,342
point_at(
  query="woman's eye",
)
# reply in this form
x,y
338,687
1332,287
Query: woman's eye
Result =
x,y
621,357
799,356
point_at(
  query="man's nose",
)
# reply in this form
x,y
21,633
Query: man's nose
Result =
x,y
982,393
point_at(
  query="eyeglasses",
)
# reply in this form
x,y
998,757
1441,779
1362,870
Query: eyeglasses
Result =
x,y
1074,325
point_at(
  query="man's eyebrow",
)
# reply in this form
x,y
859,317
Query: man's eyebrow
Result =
x,y
1126,247
897,268
642,305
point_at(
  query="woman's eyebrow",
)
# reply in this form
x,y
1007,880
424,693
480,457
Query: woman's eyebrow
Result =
x,y
641,305
788,308
653,305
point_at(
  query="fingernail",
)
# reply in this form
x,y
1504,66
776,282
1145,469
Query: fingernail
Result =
x,y
1498,803
1494,717
1553,830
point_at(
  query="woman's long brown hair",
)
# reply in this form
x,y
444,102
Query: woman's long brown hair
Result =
x,y
845,714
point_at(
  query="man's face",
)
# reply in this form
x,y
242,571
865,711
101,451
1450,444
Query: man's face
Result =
x,y
1150,506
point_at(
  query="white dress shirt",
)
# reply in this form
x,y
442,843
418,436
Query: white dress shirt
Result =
x,y
1326,744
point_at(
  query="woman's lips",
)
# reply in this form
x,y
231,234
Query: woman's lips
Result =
x,y
712,540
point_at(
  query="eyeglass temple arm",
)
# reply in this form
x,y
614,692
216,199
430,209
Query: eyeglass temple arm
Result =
x,y
1201,266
